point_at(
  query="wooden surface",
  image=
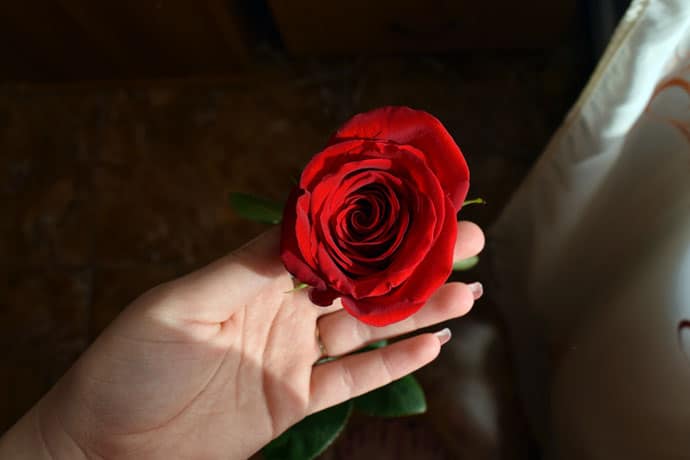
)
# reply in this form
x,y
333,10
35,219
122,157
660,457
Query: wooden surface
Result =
x,y
109,189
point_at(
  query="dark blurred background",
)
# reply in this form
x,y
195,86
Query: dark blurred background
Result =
x,y
125,124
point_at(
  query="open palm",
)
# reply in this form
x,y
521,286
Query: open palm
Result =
x,y
219,362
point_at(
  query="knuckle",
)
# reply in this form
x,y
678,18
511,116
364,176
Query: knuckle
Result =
x,y
448,307
455,300
387,366
362,332
463,300
348,381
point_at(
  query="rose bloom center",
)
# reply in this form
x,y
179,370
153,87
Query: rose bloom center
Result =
x,y
369,229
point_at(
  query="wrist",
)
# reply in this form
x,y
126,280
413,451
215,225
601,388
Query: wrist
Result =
x,y
24,440
35,437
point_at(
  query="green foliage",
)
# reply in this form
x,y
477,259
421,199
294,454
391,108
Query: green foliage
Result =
x,y
256,208
299,287
465,264
311,436
374,346
397,399
474,201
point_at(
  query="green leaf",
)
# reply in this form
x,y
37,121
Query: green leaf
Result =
x,y
374,346
299,287
474,201
465,264
256,208
397,399
311,436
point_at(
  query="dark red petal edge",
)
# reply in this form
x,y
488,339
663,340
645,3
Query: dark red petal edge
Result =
x,y
289,248
413,294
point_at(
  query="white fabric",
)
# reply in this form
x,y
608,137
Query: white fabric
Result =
x,y
592,255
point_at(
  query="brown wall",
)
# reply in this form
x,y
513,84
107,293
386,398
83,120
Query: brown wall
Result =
x,y
52,40
313,27
83,39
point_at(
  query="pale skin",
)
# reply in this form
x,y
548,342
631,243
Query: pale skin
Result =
x,y
219,362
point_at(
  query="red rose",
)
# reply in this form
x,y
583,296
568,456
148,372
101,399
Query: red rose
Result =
x,y
373,219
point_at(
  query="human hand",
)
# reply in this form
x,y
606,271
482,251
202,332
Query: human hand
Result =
x,y
219,362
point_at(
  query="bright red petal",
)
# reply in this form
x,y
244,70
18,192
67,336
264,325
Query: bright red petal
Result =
x,y
413,294
290,252
419,129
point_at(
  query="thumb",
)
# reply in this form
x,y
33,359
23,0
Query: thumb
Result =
x,y
211,293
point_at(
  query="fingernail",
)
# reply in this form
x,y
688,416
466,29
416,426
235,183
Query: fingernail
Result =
x,y
443,335
476,289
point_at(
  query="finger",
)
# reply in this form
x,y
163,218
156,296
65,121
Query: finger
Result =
x,y
470,241
335,307
337,381
210,293
341,333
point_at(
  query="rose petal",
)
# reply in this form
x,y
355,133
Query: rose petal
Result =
x,y
421,130
426,224
323,298
337,195
290,252
409,297
390,239
424,193
303,223
332,159
383,232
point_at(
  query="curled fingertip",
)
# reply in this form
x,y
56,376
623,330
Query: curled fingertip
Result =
x,y
476,289
443,335
470,241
